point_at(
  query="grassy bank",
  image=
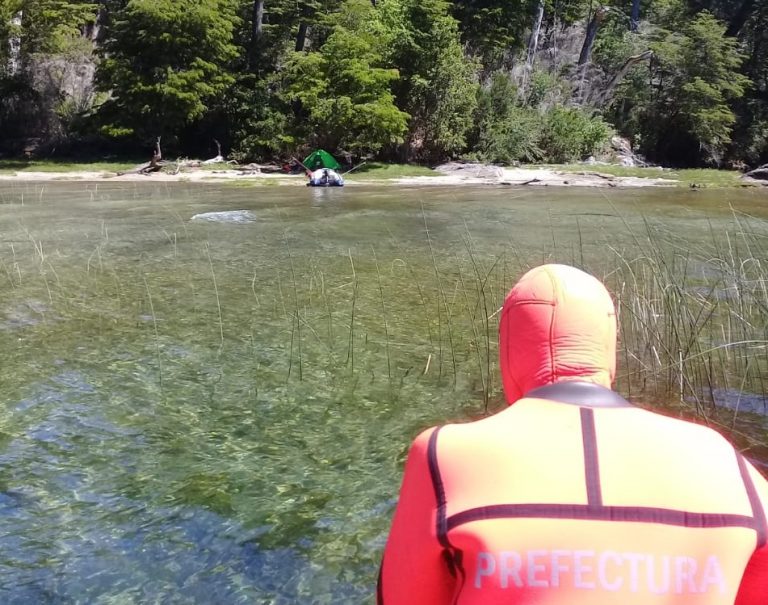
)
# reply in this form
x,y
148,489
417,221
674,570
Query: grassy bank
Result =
x,y
379,170
686,177
22,165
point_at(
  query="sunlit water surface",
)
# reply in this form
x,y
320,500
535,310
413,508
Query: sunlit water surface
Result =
x,y
208,392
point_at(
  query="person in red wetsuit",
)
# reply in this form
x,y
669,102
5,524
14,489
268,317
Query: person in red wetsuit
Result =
x,y
571,495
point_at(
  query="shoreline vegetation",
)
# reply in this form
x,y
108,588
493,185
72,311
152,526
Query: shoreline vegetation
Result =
x,y
454,173
676,83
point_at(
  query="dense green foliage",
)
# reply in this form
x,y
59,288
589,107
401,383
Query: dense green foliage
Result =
x,y
39,41
163,61
694,78
412,80
436,85
512,129
343,89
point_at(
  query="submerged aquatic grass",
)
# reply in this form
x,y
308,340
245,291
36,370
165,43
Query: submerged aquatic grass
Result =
x,y
231,418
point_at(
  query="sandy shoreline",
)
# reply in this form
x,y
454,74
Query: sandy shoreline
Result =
x,y
465,175
589,177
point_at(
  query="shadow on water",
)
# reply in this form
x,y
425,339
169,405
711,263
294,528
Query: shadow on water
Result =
x,y
208,392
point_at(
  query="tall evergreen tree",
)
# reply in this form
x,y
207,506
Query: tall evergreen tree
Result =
x,y
751,131
437,84
164,62
344,90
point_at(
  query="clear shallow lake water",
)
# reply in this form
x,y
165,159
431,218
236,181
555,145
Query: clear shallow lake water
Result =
x,y
208,392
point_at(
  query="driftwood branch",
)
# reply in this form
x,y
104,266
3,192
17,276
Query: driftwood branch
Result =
x,y
154,164
157,162
219,159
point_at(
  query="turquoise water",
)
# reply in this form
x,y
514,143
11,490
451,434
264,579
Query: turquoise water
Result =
x,y
206,408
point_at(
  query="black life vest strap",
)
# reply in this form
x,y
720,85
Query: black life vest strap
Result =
x,y
579,393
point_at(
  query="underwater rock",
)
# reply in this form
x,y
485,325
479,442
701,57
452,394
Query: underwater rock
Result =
x,y
227,216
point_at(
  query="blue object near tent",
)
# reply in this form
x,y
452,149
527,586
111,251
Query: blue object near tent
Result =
x,y
325,177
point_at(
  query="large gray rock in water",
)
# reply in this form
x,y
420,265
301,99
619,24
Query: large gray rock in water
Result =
x,y
226,216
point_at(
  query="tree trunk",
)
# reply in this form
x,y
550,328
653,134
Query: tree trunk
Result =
x,y
301,37
14,44
257,31
740,18
258,21
589,38
634,19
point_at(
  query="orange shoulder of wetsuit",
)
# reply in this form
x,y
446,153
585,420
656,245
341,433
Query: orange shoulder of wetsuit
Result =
x,y
572,495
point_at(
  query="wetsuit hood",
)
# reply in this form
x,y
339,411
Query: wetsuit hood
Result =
x,y
558,323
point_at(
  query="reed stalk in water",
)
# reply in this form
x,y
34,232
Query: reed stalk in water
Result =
x,y
8,273
481,281
475,340
216,292
351,342
691,318
295,320
384,317
417,283
441,302
157,333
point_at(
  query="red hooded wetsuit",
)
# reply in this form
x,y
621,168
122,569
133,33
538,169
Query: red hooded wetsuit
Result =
x,y
572,495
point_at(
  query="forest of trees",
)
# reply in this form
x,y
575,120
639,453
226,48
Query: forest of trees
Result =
x,y
685,81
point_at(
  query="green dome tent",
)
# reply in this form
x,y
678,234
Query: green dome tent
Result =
x,y
321,159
